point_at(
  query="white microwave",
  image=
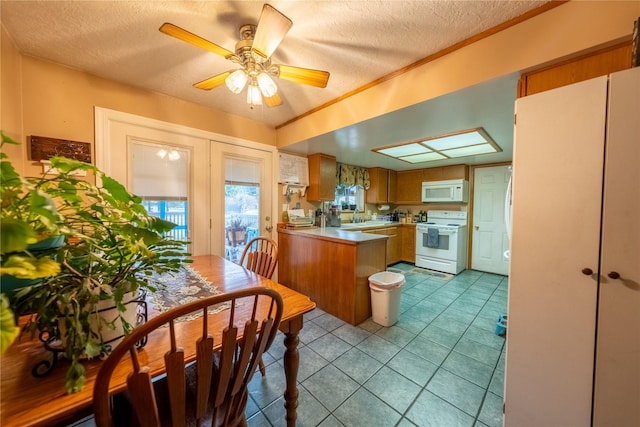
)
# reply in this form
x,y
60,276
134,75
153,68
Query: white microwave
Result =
x,y
454,190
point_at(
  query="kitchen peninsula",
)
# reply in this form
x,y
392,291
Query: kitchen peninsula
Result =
x,y
332,267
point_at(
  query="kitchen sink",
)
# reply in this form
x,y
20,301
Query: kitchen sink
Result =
x,y
376,223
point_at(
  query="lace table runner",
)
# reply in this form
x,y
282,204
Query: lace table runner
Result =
x,y
182,287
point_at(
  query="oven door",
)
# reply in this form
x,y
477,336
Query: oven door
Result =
x,y
447,244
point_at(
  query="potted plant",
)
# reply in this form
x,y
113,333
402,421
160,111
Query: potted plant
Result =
x,y
236,231
112,247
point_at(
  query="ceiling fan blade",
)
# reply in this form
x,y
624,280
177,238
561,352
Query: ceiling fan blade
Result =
x,y
272,101
212,82
272,28
306,76
186,36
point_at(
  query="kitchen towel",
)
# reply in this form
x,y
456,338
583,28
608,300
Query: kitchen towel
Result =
x,y
433,237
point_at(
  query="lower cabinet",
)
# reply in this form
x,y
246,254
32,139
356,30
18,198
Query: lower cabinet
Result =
x,y
401,245
408,246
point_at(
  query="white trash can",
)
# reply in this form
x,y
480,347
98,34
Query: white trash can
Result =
x,y
385,297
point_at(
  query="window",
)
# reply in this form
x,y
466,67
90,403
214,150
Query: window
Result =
x,y
350,198
172,211
160,176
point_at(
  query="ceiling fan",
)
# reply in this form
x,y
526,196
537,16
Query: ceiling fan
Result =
x,y
253,52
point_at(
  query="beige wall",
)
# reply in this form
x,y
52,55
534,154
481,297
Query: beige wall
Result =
x,y
573,27
10,101
47,99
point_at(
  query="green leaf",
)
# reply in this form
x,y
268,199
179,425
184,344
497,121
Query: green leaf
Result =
x,y
75,378
93,349
15,235
9,331
25,267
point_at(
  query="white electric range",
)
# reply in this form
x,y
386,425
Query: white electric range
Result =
x,y
441,242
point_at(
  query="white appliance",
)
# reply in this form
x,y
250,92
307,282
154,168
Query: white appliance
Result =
x,y
453,190
441,242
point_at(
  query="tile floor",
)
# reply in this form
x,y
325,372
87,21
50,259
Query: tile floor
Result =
x,y
441,365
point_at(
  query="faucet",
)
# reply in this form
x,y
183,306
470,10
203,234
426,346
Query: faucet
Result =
x,y
355,216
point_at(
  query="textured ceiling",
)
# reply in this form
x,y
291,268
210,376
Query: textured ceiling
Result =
x,y
356,41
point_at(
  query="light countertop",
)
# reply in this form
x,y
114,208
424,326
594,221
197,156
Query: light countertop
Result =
x,y
336,234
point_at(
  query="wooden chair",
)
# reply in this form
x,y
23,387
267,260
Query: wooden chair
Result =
x,y
214,387
260,256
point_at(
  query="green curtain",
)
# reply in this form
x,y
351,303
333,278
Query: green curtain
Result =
x,y
348,176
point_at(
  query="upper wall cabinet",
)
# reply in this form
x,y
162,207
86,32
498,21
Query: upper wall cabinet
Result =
x,y
595,64
383,186
409,186
322,178
445,173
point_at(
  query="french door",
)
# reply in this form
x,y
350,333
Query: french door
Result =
x,y
182,174
241,197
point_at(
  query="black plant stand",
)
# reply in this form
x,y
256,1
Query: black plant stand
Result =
x,y
53,344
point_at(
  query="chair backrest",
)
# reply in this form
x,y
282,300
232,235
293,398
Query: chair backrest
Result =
x,y
260,256
214,388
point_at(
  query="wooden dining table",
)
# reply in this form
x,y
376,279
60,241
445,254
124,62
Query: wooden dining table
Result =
x,y
26,400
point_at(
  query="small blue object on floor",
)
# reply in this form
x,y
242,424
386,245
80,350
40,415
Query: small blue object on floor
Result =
x,y
501,325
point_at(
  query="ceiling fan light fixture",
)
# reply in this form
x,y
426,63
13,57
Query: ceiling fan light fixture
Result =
x,y
253,54
236,81
267,85
254,97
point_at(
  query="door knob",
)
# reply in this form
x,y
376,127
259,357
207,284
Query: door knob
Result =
x,y
477,227
613,275
587,271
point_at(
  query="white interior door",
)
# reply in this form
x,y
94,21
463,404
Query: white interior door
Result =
x,y
242,191
490,239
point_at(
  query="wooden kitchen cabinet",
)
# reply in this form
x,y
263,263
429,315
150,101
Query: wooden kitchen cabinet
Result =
x,y
600,63
574,320
408,243
383,186
394,243
409,187
445,173
322,177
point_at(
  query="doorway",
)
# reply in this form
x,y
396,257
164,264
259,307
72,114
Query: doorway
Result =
x,y
489,234
242,180
200,199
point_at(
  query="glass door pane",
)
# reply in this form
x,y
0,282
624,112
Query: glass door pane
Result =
x,y
160,175
241,181
242,213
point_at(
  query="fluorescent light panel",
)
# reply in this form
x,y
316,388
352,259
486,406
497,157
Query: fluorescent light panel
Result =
x,y
426,157
404,150
465,143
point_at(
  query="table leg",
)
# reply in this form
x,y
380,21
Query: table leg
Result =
x,y
291,364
